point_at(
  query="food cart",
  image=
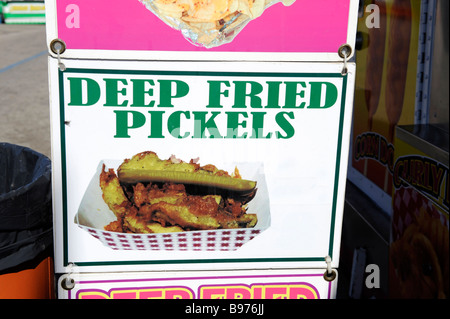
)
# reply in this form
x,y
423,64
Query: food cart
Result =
x,y
257,98
400,127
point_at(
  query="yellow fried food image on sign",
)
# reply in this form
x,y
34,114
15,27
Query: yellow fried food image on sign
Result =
x,y
209,23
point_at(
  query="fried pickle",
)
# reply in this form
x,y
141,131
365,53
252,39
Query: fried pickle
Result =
x,y
148,167
160,206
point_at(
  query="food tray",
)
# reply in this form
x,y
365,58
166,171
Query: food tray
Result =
x,y
93,215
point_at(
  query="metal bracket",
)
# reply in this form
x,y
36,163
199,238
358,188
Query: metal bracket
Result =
x,y
67,282
330,274
57,46
345,51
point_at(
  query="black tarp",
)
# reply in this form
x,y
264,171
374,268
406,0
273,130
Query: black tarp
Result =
x,y
25,205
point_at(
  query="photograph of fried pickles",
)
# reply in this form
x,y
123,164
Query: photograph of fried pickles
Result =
x,y
209,23
152,195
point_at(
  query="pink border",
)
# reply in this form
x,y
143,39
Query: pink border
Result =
x,y
305,26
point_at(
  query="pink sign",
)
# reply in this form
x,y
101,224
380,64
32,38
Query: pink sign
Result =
x,y
269,284
305,26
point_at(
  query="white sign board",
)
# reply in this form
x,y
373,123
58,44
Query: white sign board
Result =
x,y
284,126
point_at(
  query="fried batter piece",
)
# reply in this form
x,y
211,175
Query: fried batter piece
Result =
x,y
113,194
171,205
168,207
128,220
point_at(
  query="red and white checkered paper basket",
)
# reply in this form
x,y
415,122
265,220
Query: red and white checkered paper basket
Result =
x,y
93,215
204,240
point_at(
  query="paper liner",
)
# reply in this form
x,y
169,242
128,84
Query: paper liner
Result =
x,y
93,215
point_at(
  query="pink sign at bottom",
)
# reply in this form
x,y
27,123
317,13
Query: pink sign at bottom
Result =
x,y
268,284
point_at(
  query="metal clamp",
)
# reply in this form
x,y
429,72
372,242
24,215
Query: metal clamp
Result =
x,y
58,47
67,282
345,51
330,274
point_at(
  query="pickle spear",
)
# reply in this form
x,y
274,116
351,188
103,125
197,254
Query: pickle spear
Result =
x,y
148,167
224,182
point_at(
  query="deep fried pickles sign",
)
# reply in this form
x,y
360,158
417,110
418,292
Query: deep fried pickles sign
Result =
x,y
282,126
255,108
